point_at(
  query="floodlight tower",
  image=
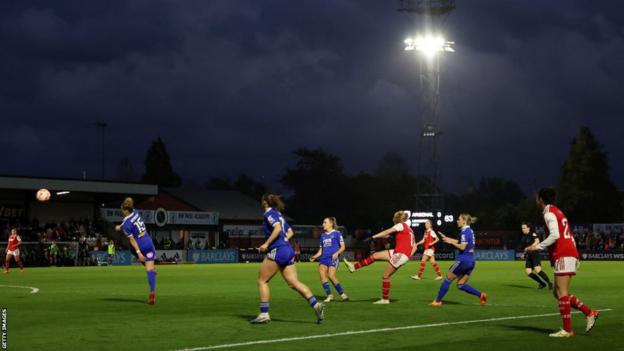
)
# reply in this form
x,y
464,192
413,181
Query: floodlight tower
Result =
x,y
429,45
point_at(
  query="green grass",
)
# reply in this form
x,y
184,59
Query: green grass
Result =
x,y
103,308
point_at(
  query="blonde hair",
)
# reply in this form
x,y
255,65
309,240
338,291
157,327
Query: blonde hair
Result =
x,y
128,204
399,217
333,221
468,218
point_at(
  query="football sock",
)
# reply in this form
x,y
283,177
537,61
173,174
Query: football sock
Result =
x,y
579,305
264,307
8,264
326,287
421,269
544,276
151,279
365,262
312,301
436,268
536,278
564,310
443,289
339,288
385,288
469,289
20,264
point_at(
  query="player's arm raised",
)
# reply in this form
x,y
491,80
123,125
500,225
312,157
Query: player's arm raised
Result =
x,y
384,233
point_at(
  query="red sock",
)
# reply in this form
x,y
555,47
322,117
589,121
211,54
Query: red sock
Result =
x,y
436,268
385,288
579,305
421,269
21,266
365,262
564,310
8,264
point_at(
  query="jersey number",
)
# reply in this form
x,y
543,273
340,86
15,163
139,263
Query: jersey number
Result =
x,y
140,225
566,228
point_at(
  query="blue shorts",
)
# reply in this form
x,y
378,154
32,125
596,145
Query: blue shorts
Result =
x,y
461,268
283,255
327,261
147,249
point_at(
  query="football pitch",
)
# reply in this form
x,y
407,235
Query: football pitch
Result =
x,y
204,307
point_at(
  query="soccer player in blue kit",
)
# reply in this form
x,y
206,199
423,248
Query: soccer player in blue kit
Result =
x,y
465,262
331,246
280,257
134,228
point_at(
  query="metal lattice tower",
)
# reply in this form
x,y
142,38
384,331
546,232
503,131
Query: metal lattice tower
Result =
x,y
430,16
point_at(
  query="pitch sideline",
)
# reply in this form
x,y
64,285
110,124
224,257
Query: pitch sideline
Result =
x,y
33,290
370,331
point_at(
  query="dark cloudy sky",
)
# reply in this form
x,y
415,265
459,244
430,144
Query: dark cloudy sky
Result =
x,y
235,86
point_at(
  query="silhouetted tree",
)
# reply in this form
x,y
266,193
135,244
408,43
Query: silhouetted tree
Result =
x,y
158,169
586,191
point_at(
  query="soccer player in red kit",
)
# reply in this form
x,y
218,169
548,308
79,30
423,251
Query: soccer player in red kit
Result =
x,y
403,250
13,250
565,259
429,239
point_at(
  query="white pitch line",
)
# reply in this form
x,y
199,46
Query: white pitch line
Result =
x,y
370,331
32,288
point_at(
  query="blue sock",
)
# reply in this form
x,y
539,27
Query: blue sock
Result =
x,y
443,289
326,287
469,289
339,288
151,279
312,301
264,307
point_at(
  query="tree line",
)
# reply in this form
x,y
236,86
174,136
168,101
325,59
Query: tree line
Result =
x,y
319,186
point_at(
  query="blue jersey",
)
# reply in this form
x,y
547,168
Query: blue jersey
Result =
x,y
330,243
467,237
134,226
271,219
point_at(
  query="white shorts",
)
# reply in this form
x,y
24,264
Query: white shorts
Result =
x,y
566,266
14,253
429,252
398,259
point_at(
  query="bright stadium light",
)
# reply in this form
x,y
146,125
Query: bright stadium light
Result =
x,y
429,45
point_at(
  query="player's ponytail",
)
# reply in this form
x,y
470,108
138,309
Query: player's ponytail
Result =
x,y
274,201
468,218
399,217
333,221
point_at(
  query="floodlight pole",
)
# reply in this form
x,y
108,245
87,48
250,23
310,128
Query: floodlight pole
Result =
x,y
432,14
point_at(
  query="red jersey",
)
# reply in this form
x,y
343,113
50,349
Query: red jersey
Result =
x,y
14,242
560,241
404,239
429,237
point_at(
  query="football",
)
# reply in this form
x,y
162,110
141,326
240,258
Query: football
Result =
x,y
43,195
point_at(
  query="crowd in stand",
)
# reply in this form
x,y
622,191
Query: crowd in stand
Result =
x,y
69,243
599,241
58,244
